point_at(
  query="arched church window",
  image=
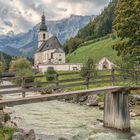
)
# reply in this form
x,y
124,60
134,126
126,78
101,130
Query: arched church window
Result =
x,y
44,36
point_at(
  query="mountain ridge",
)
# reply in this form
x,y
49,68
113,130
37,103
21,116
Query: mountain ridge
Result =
x,y
25,43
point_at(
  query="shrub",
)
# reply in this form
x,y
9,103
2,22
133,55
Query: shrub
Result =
x,y
88,66
19,64
50,74
24,73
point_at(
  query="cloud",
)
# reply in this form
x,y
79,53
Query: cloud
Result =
x,y
21,15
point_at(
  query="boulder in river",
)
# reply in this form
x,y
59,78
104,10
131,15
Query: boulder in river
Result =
x,y
31,135
2,117
10,124
92,100
18,136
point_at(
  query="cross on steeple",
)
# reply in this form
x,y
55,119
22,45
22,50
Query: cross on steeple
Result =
x,y
43,18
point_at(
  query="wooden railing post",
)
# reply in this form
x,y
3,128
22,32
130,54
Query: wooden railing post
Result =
x,y
135,76
87,81
133,72
57,80
23,87
113,76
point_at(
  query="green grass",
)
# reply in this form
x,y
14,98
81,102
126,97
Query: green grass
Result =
x,y
96,51
6,133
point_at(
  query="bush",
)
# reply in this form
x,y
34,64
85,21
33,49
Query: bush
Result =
x,y
24,73
50,74
88,66
19,64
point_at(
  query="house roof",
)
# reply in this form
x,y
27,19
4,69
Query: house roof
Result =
x,y
51,43
105,60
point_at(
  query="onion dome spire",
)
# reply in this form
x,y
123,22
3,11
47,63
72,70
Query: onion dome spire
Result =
x,y
43,26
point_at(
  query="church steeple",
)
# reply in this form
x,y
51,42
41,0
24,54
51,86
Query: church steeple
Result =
x,y
43,31
43,26
43,18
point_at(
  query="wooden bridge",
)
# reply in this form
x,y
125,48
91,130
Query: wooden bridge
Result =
x,y
115,84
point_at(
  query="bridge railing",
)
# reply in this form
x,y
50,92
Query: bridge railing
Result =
x,y
70,81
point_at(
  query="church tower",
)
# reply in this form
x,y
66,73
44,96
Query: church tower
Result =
x,y
43,32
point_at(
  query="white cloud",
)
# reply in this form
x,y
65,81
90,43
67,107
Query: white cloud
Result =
x,y
21,15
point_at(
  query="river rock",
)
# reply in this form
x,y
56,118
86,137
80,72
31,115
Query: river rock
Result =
x,y
83,98
8,111
31,135
7,117
18,136
92,100
101,105
2,116
10,124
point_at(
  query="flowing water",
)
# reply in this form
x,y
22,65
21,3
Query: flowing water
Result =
x,y
54,120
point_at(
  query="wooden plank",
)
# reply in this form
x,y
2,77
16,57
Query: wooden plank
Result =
x,y
53,82
43,98
41,88
10,91
9,86
69,73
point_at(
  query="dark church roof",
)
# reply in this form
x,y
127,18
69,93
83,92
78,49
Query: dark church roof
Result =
x,y
59,50
51,43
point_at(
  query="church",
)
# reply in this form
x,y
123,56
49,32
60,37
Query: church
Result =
x,y
50,52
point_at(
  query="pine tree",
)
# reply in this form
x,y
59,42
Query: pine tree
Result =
x,y
127,26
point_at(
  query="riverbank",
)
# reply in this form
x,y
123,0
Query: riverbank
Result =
x,y
9,129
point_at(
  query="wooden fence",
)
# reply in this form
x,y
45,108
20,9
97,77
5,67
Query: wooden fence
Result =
x,y
69,80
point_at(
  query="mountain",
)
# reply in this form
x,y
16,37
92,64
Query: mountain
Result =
x,y
26,43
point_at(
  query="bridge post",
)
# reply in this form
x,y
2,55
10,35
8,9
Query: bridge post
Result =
x,y
116,111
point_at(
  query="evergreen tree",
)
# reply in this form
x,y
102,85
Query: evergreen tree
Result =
x,y
127,26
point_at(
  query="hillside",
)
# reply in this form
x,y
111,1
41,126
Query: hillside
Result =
x,y
99,27
96,50
5,58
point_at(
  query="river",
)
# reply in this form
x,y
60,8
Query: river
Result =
x,y
53,120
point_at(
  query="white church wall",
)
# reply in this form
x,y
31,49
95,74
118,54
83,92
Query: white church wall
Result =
x,y
59,58
61,67
38,58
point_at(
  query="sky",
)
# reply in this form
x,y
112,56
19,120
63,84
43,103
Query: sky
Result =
x,y
21,15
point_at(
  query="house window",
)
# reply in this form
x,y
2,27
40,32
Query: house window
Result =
x,y
59,54
44,36
51,55
60,59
